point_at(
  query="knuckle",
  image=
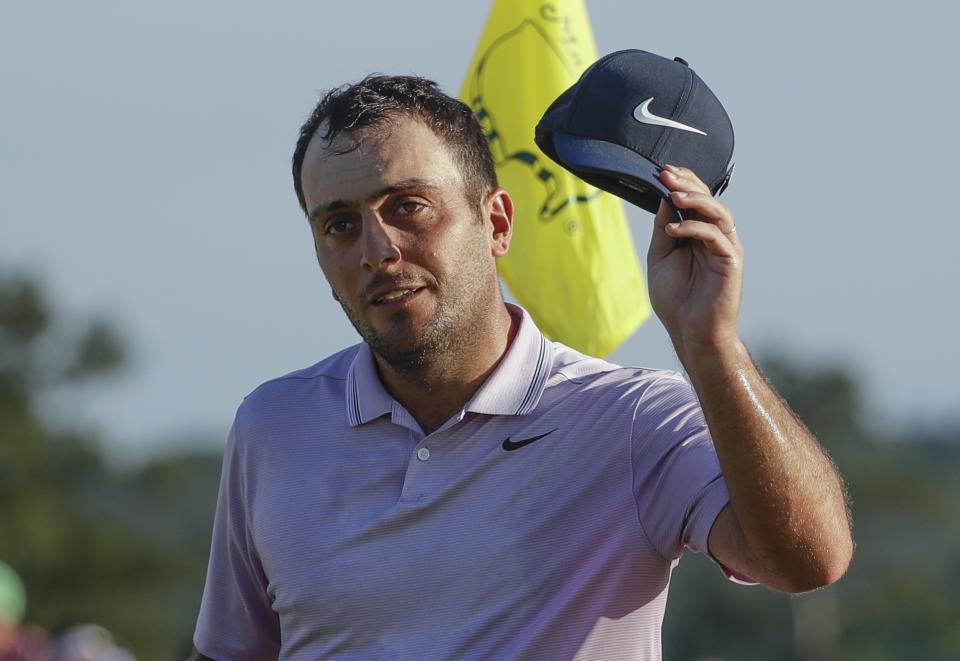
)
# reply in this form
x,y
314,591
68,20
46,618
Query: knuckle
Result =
x,y
690,173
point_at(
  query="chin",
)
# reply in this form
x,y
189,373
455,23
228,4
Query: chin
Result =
x,y
406,340
403,354
407,346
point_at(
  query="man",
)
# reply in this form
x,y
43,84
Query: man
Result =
x,y
457,486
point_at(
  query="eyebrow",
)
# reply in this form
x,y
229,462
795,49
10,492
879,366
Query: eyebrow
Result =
x,y
399,187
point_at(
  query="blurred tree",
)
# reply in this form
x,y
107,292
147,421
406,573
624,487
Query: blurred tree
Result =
x,y
901,597
127,551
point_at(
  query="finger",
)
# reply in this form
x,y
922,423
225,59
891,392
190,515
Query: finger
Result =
x,y
704,207
677,178
708,234
661,243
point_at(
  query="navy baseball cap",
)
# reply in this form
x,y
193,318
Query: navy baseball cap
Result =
x,y
629,114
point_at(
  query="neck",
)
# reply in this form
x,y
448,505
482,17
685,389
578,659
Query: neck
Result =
x,y
445,383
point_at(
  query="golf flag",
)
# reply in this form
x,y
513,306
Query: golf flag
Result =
x,y
572,263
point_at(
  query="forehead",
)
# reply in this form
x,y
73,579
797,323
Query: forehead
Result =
x,y
353,166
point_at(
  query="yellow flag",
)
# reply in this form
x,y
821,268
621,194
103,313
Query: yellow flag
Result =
x,y
572,263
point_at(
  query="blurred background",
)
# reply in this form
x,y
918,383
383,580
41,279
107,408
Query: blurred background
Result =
x,y
155,267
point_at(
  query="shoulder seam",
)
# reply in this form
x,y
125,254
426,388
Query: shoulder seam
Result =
x,y
295,377
319,372
616,368
304,378
242,477
633,493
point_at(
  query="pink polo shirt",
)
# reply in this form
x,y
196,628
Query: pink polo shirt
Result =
x,y
540,522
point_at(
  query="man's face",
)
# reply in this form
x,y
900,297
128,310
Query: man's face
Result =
x,y
409,258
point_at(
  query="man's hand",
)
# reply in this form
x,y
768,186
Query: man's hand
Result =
x,y
695,267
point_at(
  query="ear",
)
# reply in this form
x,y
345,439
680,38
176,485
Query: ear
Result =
x,y
498,210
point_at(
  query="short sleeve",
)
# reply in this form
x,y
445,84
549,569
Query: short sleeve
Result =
x,y
677,482
236,619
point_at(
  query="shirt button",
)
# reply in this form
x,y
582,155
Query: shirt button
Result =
x,y
423,454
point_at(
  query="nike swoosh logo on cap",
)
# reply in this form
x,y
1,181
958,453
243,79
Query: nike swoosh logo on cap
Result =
x,y
643,115
514,445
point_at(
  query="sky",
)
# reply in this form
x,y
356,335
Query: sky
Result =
x,y
144,175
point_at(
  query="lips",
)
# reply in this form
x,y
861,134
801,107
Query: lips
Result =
x,y
394,290
395,295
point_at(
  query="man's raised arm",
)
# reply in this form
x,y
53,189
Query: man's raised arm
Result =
x,y
787,525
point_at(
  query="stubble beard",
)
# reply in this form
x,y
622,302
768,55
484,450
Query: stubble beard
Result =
x,y
405,351
450,335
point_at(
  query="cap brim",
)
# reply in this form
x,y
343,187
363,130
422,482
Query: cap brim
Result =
x,y
613,168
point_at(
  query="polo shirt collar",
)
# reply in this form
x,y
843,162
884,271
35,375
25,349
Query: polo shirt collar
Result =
x,y
366,398
514,387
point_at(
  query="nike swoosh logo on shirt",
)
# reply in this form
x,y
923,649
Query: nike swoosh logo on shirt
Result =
x,y
643,115
515,445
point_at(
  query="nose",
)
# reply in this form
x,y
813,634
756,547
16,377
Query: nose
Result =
x,y
380,249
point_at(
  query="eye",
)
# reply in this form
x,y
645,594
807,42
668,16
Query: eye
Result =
x,y
410,207
338,225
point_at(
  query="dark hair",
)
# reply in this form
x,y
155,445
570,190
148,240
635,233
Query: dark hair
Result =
x,y
377,99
